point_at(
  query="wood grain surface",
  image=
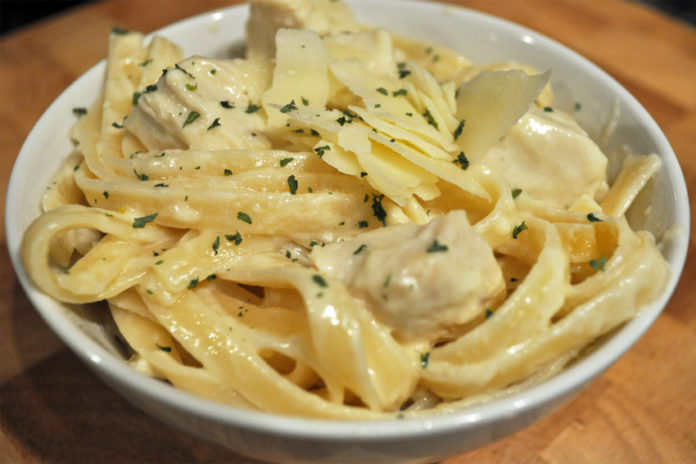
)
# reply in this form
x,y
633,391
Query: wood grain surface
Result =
x,y
643,410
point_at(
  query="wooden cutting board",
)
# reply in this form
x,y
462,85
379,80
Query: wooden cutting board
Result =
x,y
52,409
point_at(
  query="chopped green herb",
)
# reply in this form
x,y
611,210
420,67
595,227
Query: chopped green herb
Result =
x,y
214,124
139,222
424,358
362,224
211,277
145,63
458,130
462,160
319,280
578,106
378,209
437,247
150,88
119,30
117,125
236,238
285,161
342,120
320,150
164,348
313,243
289,107
399,93
192,87
227,172
313,132
106,194
489,313
382,90
252,109
430,119
141,176
184,71
216,244
193,283
213,71
518,229
548,109
292,184
226,104
403,73
79,111
305,102
363,174
360,249
515,192
592,218
161,184
192,116
598,264
136,97
244,217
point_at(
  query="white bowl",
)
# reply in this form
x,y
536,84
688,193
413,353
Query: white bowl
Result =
x,y
277,438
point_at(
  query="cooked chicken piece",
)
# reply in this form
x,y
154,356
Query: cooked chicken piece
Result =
x,y
549,157
203,103
423,281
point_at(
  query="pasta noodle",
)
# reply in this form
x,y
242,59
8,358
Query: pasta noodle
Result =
x,y
343,224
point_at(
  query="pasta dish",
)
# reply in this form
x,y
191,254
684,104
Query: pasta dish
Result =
x,y
343,223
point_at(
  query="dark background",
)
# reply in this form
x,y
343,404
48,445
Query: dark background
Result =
x,y
17,13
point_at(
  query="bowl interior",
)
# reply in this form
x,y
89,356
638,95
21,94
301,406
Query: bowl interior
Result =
x,y
479,37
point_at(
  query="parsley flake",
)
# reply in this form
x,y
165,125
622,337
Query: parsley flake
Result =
x,y
164,348
518,229
236,238
319,280
382,90
292,184
458,130
289,107
424,358
215,124
141,175
79,111
216,244
252,109
515,193
139,222
285,161
462,160
226,104
378,209
598,264
192,284
592,218
244,217
360,249
192,116
320,150
430,119
437,247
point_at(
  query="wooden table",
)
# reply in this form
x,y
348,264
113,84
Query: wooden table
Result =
x,y
53,409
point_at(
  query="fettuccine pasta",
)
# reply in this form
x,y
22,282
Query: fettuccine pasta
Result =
x,y
344,223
